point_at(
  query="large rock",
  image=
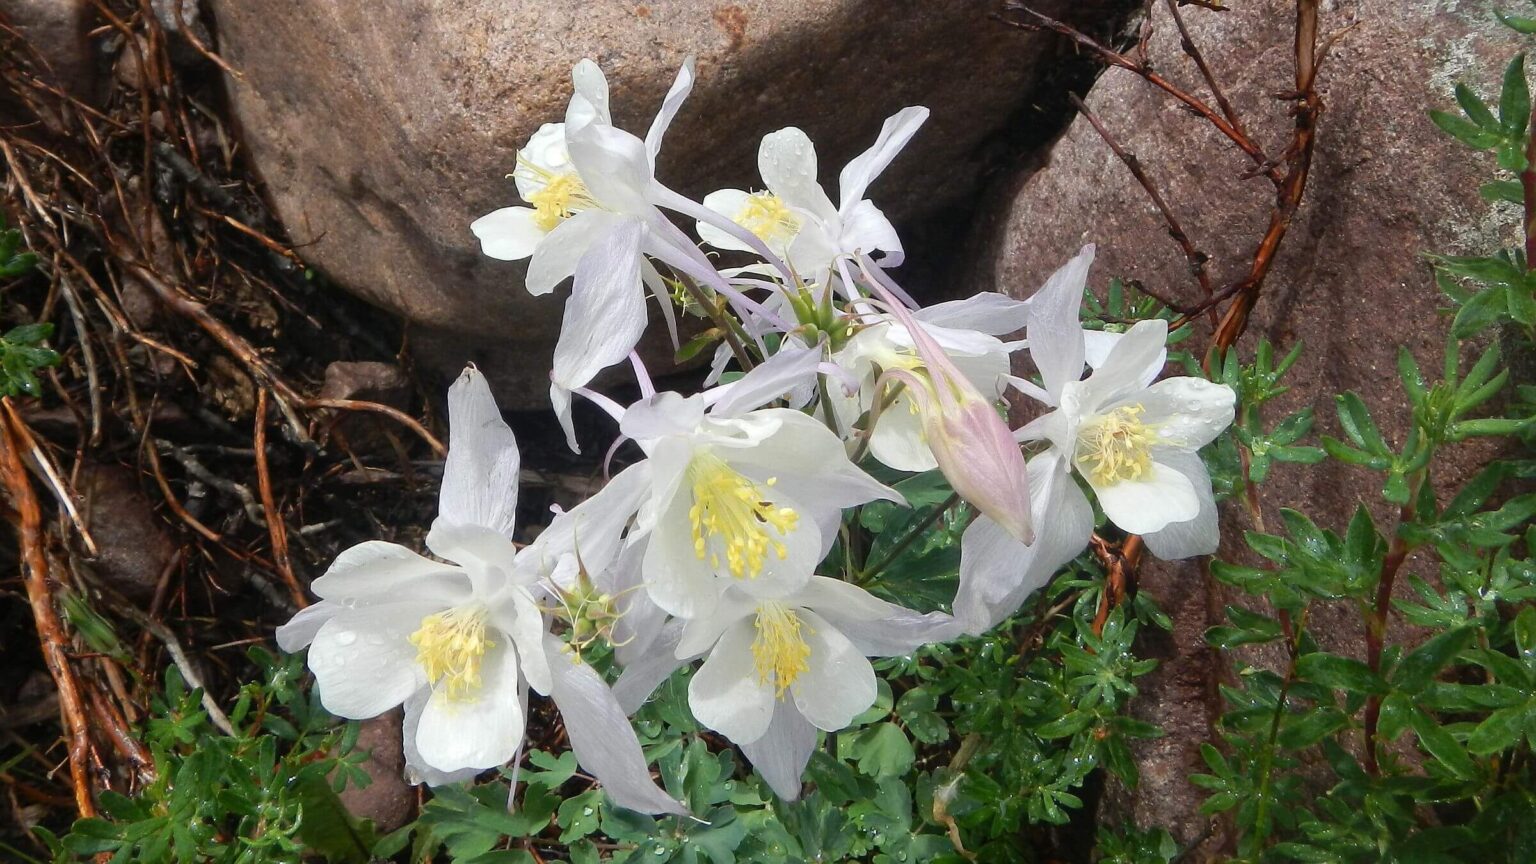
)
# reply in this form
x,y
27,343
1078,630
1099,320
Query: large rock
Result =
x,y
1350,281
383,129
57,30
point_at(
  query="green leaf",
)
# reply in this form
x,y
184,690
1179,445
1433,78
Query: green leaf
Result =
x,y
1414,672
1439,743
1515,99
578,816
1519,24
1500,731
1339,673
328,828
1301,731
883,751
1466,132
1473,106
1508,191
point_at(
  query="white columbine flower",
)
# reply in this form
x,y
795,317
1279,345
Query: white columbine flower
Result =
x,y
795,218
778,669
460,641
1133,440
594,217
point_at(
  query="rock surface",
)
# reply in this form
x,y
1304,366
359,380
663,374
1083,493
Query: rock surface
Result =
x,y
1350,280
387,799
56,28
383,130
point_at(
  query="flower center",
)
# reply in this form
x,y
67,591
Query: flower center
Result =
x,y
779,649
766,215
559,197
731,510
450,645
1116,446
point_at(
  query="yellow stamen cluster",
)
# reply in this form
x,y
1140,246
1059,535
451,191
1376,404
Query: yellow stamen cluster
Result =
x,y
766,215
450,645
560,195
732,509
1116,446
779,649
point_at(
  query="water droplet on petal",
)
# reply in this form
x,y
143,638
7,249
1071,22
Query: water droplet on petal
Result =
x,y
345,638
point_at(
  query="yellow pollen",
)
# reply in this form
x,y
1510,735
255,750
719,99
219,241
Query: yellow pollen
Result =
x,y
731,509
449,646
766,215
1116,446
560,196
779,649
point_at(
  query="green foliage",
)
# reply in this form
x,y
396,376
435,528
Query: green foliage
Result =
x,y
266,794
21,349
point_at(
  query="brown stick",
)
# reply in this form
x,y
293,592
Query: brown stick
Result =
x,y
50,629
1115,58
1120,567
1292,186
1187,42
1528,187
1196,258
274,518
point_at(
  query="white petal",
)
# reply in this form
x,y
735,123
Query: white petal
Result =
x,y
485,555
665,414
840,683
589,104
614,166
781,755
480,473
363,660
867,231
700,634
998,573
899,440
728,203
601,737
1096,346
546,151
1188,412
809,462
1134,362
378,570
483,732
556,258
679,581
642,675
530,635
678,92
793,366
725,694
417,771
606,313
1055,336
591,529
987,312
786,159
836,598
508,234
1159,497
1198,536
302,628
640,619
856,176
560,402
901,632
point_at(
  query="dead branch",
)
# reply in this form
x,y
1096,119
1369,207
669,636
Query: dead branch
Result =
x,y
50,630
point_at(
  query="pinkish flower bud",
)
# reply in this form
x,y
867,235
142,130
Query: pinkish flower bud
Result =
x,y
972,444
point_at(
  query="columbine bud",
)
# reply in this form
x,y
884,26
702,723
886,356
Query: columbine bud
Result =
x,y
973,446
